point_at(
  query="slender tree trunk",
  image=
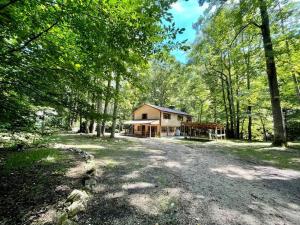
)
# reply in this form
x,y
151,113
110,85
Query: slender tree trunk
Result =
x,y
237,108
264,128
105,106
249,111
214,108
231,130
200,114
116,102
225,104
99,111
92,122
249,108
80,124
279,131
230,87
242,130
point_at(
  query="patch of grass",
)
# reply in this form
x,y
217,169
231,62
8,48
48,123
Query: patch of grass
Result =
x,y
285,158
28,158
257,152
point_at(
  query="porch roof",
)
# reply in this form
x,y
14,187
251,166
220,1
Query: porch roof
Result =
x,y
149,122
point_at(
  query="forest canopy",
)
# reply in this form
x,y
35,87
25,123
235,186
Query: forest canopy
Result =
x,y
92,62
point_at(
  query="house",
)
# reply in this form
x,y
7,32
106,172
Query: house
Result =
x,y
156,121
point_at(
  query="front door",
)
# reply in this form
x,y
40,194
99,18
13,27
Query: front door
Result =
x,y
143,130
153,131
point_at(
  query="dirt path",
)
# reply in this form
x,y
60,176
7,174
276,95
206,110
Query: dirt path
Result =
x,y
168,182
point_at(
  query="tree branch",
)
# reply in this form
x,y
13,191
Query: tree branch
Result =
x,y
242,29
33,38
3,6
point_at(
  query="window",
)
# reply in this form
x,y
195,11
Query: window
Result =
x,y
164,129
144,116
167,116
139,128
180,118
171,129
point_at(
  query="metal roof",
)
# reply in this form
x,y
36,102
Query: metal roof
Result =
x,y
164,109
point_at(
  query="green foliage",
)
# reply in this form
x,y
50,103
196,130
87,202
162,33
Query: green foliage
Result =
x,y
60,54
32,157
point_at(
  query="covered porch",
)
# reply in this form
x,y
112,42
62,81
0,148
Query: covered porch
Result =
x,y
143,128
195,130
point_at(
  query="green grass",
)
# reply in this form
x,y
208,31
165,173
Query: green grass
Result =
x,y
258,152
28,158
278,157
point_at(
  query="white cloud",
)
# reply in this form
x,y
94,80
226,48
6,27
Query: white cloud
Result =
x,y
177,7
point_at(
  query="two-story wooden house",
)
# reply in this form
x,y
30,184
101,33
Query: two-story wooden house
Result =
x,y
155,121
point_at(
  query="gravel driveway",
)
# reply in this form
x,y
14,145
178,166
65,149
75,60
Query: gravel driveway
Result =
x,y
171,182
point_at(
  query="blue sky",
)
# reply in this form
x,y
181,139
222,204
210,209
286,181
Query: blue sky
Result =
x,y
185,14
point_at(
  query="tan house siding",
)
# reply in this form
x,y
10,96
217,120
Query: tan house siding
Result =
x,y
174,122
166,127
152,113
169,126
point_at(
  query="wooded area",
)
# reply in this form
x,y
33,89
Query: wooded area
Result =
x,y
216,139
92,62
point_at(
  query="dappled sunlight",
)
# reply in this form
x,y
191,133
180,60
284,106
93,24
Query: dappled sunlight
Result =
x,y
79,169
295,160
137,185
153,204
155,151
229,216
145,203
132,175
114,195
99,188
257,173
81,146
49,159
173,164
271,148
157,158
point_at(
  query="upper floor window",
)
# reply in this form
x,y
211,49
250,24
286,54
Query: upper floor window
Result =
x,y
180,117
167,116
144,116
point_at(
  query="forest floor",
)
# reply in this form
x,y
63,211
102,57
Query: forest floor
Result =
x,y
156,181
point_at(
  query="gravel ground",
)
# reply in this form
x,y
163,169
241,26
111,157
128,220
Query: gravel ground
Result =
x,y
170,182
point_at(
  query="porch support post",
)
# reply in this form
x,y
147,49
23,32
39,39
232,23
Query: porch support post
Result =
x,y
150,130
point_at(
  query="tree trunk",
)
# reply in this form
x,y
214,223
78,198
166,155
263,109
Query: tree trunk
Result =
x,y
200,114
264,128
92,122
115,110
99,110
86,127
237,108
225,104
231,130
249,108
105,107
249,123
279,131
92,126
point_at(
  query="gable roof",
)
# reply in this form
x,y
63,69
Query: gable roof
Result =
x,y
164,109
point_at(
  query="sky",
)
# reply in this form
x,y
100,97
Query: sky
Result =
x,y
185,14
